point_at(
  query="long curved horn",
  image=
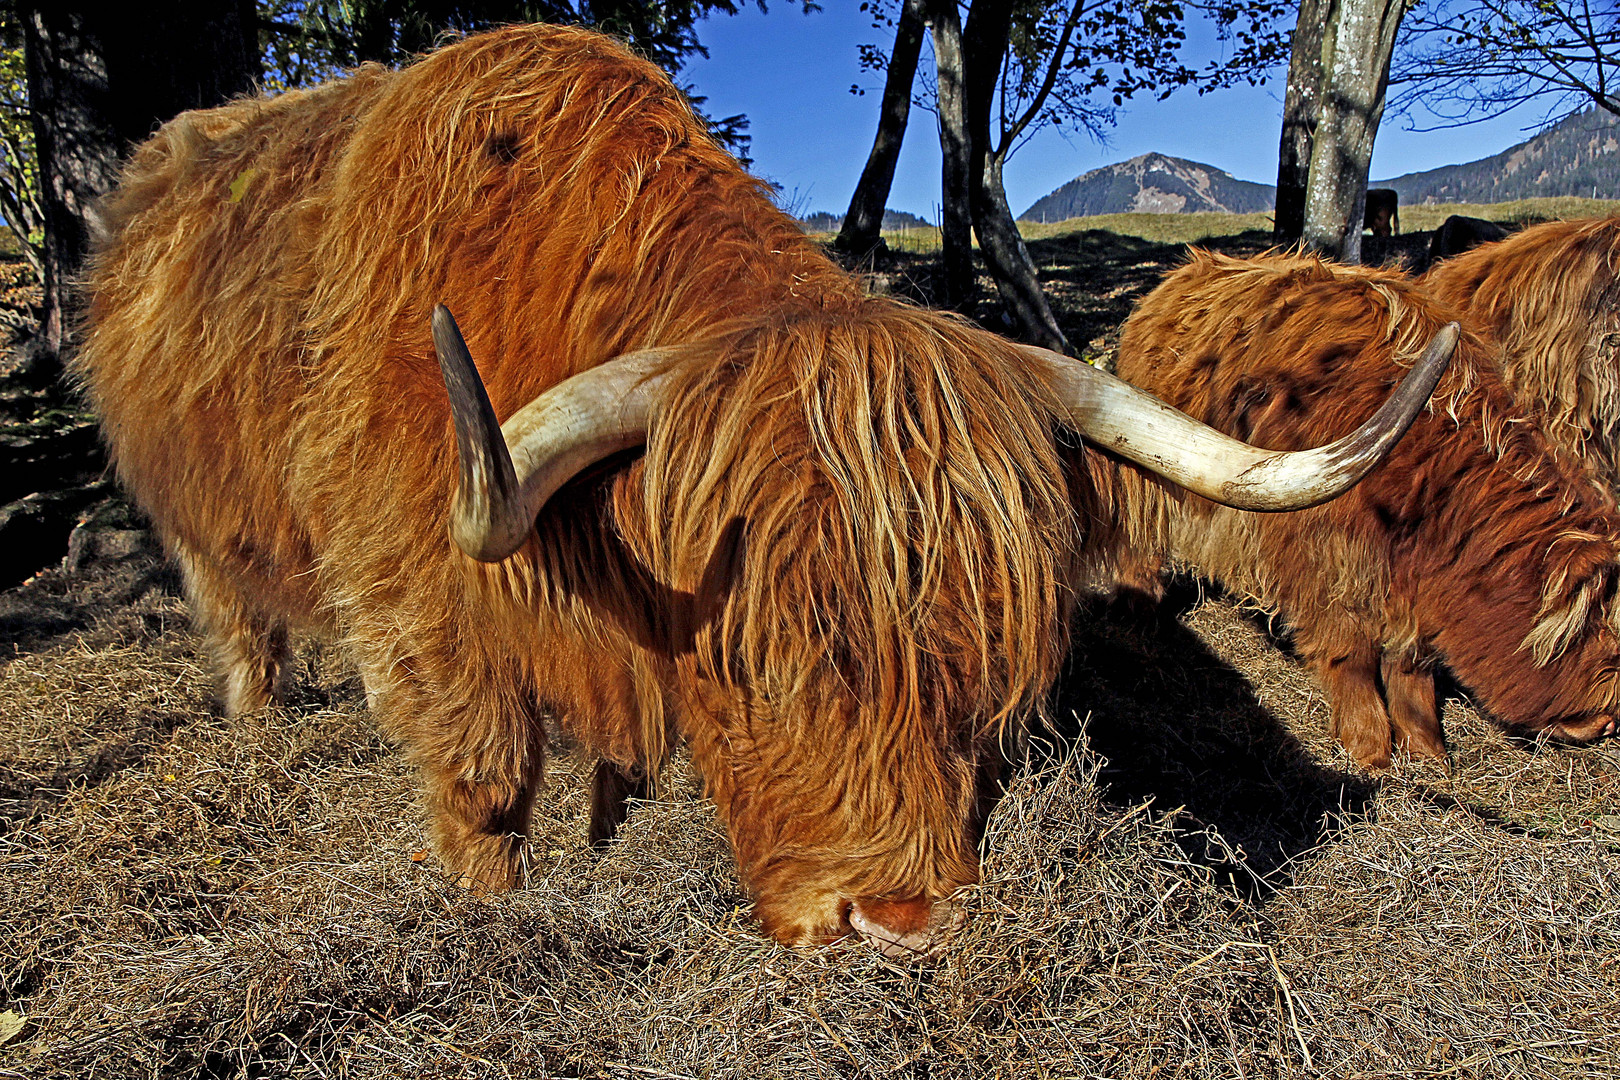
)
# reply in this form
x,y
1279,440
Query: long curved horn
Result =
x,y
510,470
1135,425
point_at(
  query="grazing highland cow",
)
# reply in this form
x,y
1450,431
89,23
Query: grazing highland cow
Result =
x,y
1382,212
1458,234
840,567
1550,296
1477,543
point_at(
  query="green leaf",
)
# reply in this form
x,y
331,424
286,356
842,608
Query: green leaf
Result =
x,y
239,186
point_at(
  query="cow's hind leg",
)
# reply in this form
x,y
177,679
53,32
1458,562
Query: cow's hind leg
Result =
x,y
1348,668
1414,707
249,646
612,788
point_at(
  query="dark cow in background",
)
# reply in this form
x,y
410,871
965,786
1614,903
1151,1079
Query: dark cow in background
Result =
x,y
1478,544
1458,234
841,569
1383,212
1550,297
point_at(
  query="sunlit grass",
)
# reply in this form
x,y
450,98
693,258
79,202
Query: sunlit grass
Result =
x,y
1193,228
1159,228
1420,216
1416,217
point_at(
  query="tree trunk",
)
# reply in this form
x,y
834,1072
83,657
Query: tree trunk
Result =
x,y
77,146
956,150
1009,261
984,49
862,232
1300,105
101,78
1356,48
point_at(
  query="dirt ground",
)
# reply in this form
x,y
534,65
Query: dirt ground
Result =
x,y
1187,878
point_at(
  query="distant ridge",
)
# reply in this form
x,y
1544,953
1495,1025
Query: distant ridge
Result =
x,y
1155,184
827,221
1578,156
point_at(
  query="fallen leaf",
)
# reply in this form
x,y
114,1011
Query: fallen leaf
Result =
x,y
419,856
11,1025
239,186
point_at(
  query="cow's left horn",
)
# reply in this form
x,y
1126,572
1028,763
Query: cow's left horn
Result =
x,y
510,470
1135,425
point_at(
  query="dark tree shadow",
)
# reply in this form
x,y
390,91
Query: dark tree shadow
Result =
x,y
1092,278
1179,725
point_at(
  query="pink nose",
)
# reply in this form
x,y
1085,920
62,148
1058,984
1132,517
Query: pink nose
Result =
x,y
905,929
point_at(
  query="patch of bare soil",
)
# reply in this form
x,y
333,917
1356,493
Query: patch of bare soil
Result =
x,y
1186,878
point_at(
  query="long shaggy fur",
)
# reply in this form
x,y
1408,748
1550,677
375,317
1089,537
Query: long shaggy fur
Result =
x,y
1476,543
1550,297
841,570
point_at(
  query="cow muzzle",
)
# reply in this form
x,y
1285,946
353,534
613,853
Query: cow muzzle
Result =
x,y
906,930
1584,730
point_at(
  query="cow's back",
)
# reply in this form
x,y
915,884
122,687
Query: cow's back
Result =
x,y
194,334
1550,296
258,342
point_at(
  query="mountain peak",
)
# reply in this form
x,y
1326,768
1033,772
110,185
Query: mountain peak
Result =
x,y
1152,183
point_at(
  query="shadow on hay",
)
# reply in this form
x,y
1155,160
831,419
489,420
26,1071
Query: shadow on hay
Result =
x,y
25,795
53,605
1179,725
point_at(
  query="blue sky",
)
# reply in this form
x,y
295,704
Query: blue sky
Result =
x,y
791,74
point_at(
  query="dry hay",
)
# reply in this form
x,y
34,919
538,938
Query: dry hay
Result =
x,y
1217,896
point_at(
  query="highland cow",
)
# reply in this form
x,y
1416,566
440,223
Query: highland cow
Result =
x,y
1381,214
1478,544
1459,233
1549,296
839,568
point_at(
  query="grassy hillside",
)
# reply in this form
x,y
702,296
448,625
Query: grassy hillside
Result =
x,y
1193,228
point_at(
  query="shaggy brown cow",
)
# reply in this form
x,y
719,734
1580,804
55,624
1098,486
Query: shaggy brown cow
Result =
x,y
1550,296
840,569
1477,543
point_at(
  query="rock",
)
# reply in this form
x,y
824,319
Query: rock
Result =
x,y
34,530
90,543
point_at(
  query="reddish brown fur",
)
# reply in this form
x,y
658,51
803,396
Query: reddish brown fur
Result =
x,y
1550,298
1475,543
841,568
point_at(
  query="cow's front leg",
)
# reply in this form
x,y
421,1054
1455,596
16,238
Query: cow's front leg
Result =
x,y
1348,668
612,788
481,772
1414,707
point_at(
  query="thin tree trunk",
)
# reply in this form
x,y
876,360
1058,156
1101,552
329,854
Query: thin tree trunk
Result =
x,y
1009,261
956,150
862,232
1356,49
77,145
1300,105
101,78
984,49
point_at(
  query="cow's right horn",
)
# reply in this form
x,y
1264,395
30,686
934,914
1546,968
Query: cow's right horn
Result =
x,y
509,470
1115,415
